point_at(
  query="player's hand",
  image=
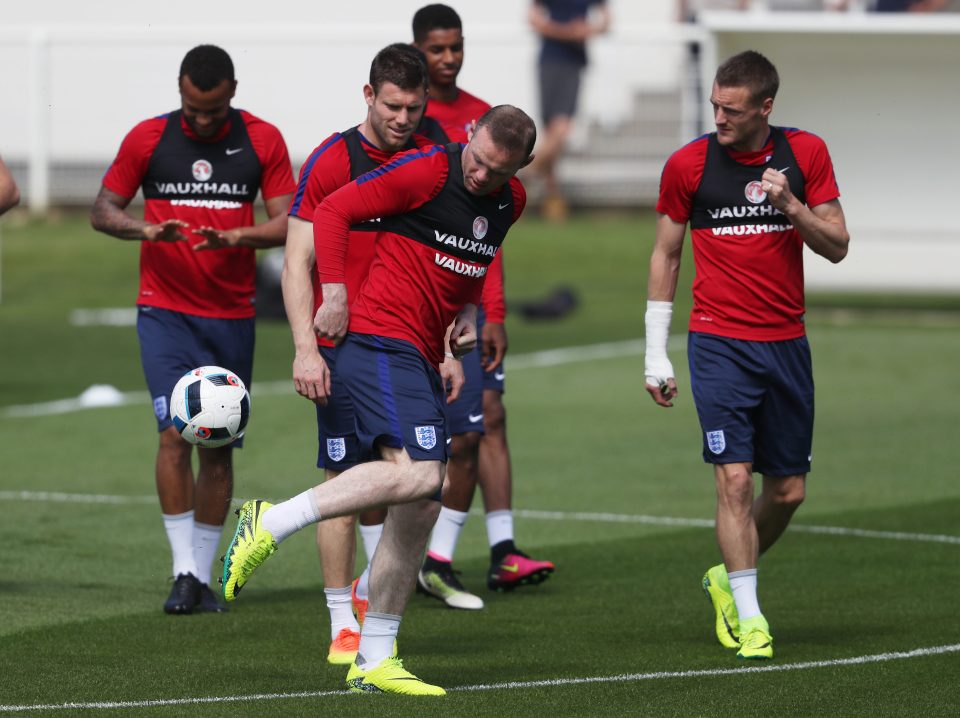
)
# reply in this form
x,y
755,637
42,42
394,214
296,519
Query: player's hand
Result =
x,y
493,345
777,186
216,239
663,391
166,231
451,372
311,377
333,316
463,336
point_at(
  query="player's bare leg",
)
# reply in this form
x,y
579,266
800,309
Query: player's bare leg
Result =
x,y
337,549
774,507
739,545
175,488
509,567
211,499
437,577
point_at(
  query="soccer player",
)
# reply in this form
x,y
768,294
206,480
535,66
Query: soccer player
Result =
x,y
443,214
396,98
9,192
754,195
200,168
477,419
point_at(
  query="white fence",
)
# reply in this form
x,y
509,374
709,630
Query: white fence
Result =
x,y
882,91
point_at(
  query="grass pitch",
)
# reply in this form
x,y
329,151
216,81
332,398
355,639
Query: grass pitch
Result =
x,y
860,594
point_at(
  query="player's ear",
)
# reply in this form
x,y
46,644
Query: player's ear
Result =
x,y
233,91
526,161
369,95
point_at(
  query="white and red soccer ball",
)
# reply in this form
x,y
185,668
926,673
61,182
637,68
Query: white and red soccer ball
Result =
x,y
210,406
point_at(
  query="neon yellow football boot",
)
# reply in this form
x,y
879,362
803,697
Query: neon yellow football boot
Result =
x,y
389,676
717,587
756,643
251,546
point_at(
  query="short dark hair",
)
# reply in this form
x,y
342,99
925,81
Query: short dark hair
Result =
x,y
207,66
510,127
399,63
752,70
434,17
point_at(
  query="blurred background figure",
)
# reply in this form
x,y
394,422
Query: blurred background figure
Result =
x,y
9,194
564,27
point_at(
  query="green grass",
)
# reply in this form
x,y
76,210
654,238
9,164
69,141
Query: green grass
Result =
x,y
83,581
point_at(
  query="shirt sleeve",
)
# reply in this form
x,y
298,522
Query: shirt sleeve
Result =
x,y
406,182
679,181
126,173
276,177
820,183
326,170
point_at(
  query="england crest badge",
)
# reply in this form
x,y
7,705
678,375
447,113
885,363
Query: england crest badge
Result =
x,y
426,436
716,441
336,449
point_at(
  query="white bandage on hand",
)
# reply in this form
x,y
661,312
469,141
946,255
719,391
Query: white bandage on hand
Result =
x,y
657,367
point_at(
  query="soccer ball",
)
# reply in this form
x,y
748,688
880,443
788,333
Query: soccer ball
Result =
x,y
210,406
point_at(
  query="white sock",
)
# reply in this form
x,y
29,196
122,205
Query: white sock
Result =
x,y
341,613
206,541
376,639
363,584
180,535
371,537
446,533
290,516
499,526
743,585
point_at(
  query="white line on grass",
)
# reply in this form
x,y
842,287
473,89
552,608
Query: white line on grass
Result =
x,y
549,357
586,516
512,685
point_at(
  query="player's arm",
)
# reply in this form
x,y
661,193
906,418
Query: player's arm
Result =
x,y
9,193
451,370
493,342
661,288
270,233
109,216
403,184
311,377
823,228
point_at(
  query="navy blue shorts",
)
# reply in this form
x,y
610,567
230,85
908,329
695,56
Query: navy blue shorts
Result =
x,y
398,398
466,413
173,343
338,444
755,402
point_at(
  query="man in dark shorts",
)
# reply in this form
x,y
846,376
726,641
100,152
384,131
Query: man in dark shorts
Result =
x,y
200,169
754,195
396,97
564,27
443,214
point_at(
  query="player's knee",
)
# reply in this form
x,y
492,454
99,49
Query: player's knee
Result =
x,y
790,492
494,413
464,447
173,447
735,484
424,478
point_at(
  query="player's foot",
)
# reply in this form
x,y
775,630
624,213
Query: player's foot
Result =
x,y
517,569
441,582
184,596
251,546
359,604
717,587
389,676
209,603
343,648
756,643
